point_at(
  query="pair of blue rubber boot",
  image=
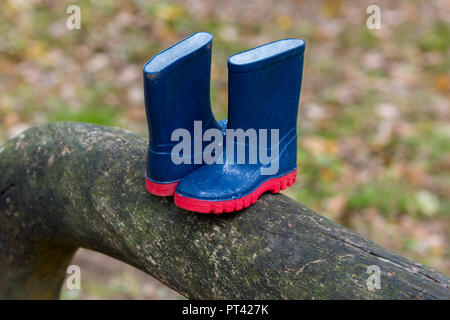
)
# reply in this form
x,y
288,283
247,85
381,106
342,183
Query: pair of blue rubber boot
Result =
x,y
216,167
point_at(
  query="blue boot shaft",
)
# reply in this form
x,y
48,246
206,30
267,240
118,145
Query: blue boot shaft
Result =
x,y
264,86
176,91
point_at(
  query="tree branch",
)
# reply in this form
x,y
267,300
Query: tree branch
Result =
x,y
70,185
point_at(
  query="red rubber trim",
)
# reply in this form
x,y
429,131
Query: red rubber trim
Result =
x,y
160,189
204,206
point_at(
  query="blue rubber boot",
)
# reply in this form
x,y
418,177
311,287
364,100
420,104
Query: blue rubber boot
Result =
x,y
264,91
176,90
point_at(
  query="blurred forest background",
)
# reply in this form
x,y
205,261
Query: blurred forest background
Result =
x,y
374,112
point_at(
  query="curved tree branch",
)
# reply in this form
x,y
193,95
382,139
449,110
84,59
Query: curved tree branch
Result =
x,y
70,185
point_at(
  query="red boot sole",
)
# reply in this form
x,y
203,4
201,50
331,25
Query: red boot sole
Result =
x,y
203,206
160,189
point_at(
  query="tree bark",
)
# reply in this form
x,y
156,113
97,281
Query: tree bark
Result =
x,y
70,185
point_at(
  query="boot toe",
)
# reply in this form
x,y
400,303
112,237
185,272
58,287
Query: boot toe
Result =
x,y
217,183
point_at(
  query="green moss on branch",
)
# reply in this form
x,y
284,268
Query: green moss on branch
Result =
x,y
70,185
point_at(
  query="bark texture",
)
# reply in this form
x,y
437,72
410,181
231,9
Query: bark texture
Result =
x,y
70,185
